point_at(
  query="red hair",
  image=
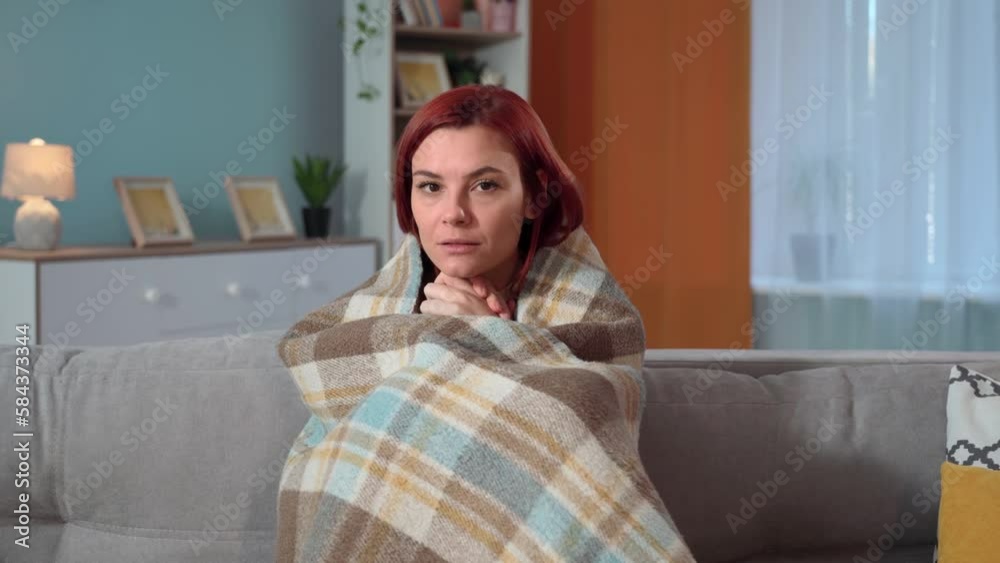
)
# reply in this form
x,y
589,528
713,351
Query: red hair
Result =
x,y
560,210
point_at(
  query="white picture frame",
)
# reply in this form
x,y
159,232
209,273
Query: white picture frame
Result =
x,y
260,208
153,211
420,77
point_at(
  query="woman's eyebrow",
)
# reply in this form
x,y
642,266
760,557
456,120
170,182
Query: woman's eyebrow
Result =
x,y
476,172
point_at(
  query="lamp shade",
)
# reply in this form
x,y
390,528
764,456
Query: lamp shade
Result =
x,y
38,169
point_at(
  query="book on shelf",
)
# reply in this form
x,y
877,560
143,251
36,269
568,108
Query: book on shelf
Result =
x,y
425,13
435,10
409,12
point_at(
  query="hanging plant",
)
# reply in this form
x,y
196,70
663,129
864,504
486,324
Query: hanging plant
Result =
x,y
366,26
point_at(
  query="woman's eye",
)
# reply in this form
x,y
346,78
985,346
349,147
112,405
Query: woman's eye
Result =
x,y
487,185
426,185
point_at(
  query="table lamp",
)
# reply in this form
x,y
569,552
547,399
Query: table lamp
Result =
x,y
32,172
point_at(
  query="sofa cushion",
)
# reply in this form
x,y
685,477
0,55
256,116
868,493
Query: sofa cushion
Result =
x,y
970,500
169,449
801,460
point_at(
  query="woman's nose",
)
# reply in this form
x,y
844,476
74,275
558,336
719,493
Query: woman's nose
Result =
x,y
455,213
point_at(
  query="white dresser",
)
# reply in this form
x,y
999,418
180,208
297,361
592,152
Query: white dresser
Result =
x,y
107,295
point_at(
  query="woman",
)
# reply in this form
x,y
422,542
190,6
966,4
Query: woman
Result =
x,y
479,182
478,398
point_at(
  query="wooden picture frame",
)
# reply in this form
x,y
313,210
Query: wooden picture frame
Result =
x,y
260,208
153,211
420,77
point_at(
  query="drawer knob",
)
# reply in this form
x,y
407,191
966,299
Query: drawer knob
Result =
x,y
303,281
151,295
233,289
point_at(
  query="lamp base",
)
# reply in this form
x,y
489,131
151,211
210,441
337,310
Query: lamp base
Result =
x,y
37,225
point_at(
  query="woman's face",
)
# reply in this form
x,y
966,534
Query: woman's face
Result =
x,y
467,186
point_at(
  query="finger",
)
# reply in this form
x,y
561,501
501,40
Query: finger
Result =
x,y
495,304
440,292
427,307
457,301
487,284
437,307
457,283
481,290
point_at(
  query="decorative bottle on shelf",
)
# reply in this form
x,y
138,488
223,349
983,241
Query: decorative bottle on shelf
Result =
x,y
451,12
502,15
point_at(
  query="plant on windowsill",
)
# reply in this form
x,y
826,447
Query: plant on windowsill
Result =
x,y
818,186
317,178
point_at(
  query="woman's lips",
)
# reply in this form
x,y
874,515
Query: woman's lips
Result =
x,y
456,248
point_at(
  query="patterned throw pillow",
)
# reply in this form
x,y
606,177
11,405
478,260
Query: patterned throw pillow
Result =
x,y
969,517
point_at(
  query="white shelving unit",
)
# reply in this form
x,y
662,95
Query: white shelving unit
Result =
x,y
372,127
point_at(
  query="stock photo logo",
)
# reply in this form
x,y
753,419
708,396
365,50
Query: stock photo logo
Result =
x,y
697,44
796,459
33,24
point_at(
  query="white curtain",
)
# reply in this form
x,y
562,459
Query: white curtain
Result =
x,y
875,198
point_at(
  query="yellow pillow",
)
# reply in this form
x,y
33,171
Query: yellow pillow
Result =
x,y
969,515
969,518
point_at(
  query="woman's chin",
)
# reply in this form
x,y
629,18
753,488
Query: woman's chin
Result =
x,y
459,267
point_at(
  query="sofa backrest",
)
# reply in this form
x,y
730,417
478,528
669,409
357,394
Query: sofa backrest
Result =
x,y
147,452
759,451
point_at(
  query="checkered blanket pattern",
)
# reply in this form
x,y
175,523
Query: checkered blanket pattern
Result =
x,y
473,438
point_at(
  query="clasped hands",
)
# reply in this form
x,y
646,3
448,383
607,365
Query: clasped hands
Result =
x,y
448,295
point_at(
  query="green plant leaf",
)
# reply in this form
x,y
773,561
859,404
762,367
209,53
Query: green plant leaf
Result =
x,y
317,177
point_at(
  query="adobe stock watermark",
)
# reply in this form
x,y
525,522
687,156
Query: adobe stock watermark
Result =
x,y
753,328
914,168
655,259
80,489
370,23
48,10
697,44
226,515
88,310
566,9
249,149
224,7
796,459
901,13
925,499
787,126
583,156
295,278
121,107
955,299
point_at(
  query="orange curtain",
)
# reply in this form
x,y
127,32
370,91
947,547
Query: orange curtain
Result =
x,y
648,102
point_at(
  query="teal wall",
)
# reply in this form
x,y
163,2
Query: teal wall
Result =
x,y
226,75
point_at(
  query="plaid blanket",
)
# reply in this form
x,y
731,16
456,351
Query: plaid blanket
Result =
x,y
473,438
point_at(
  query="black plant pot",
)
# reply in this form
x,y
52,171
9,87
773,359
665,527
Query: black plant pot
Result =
x,y
317,221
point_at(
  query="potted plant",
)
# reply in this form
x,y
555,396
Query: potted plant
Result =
x,y
818,185
317,178
463,69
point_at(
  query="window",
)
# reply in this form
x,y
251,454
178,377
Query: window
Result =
x,y
874,165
